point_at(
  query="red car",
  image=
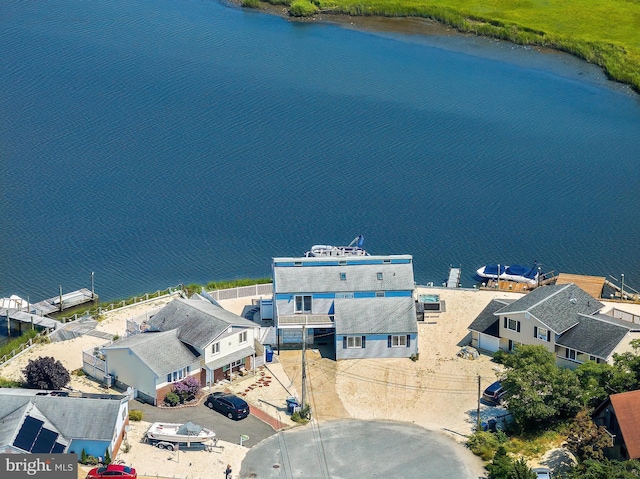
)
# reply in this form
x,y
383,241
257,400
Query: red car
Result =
x,y
112,471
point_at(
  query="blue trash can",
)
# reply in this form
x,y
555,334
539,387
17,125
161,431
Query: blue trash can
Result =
x,y
292,404
268,351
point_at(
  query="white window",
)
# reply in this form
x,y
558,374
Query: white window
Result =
x,y
570,354
237,363
379,276
379,294
354,342
512,324
178,375
303,304
215,348
243,337
399,341
542,334
344,295
343,276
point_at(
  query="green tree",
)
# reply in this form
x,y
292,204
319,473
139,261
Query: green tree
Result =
x,y
592,469
501,467
521,470
595,381
46,373
538,392
585,439
107,457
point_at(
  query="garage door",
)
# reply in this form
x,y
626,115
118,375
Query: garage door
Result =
x,y
488,343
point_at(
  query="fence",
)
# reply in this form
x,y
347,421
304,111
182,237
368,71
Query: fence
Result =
x,y
242,292
93,366
25,345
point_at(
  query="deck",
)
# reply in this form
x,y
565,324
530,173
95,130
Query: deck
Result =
x,y
454,278
592,285
69,300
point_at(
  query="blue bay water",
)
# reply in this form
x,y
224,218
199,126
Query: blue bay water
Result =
x,y
159,142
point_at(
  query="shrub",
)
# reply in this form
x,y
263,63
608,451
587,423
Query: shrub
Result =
x,y
107,457
498,356
126,446
46,373
135,415
172,399
302,8
83,456
251,3
9,383
79,372
484,444
187,389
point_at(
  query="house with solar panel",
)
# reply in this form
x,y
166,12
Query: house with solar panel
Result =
x,y
39,422
187,337
361,304
563,318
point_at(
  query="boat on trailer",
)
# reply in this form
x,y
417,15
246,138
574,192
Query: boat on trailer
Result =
x,y
515,272
353,249
166,432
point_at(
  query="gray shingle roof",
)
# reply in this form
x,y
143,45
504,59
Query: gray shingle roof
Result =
x,y
198,321
359,277
555,306
375,316
74,418
593,335
162,352
486,322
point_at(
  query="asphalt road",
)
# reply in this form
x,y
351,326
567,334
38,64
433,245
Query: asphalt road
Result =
x,y
226,429
357,449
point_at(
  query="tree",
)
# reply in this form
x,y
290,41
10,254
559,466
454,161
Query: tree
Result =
x,y
107,457
595,380
521,470
46,373
501,466
585,439
187,389
537,391
591,469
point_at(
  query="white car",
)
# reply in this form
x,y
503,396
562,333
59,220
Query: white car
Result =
x,y
542,472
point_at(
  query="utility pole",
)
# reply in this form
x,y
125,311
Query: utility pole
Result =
x,y
478,412
304,372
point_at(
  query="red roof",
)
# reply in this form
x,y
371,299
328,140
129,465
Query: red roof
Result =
x,y
627,409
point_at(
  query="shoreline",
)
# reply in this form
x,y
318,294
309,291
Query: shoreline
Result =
x,y
419,26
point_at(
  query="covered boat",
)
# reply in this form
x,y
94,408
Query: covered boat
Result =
x,y
172,432
515,272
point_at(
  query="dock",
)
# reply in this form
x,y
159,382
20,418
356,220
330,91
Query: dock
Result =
x,y
454,278
65,301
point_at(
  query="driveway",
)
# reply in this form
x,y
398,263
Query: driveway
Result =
x,y
226,429
356,449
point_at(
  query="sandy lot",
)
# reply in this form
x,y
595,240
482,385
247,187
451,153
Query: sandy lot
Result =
x,y
438,392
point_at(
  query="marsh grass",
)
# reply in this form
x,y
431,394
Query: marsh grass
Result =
x,y
604,33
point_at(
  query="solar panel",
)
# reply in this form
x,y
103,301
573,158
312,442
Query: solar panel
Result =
x,y
57,448
45,441
28,433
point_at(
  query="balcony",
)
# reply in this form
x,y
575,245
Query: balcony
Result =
x,y
308,320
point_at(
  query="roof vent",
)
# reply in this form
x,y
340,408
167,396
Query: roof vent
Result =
x,y
573,300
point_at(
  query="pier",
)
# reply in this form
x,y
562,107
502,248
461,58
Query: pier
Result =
x,y
64,301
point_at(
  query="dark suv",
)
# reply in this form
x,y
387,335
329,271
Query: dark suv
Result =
x,y
231,406
494,393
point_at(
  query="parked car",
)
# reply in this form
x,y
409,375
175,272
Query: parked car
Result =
x,y
542,472
494,393
112,471
231,406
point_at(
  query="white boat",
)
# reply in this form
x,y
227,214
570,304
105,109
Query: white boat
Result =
x,y
173,432
515,272
353,249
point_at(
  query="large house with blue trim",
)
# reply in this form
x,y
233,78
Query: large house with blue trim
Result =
x,y
363,303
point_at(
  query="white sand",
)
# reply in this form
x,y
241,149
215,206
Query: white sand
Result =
x,y
438,392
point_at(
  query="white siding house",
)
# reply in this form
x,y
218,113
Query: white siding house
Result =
x,y
357,301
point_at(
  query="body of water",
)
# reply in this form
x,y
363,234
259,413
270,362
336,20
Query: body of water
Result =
x,y
164,142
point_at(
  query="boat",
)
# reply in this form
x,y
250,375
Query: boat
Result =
x,y
173,432
353,249
515,272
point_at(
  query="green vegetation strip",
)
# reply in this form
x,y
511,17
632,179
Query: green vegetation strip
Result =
x,y
606,33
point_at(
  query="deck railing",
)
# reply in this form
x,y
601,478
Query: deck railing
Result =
x,y
306,320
